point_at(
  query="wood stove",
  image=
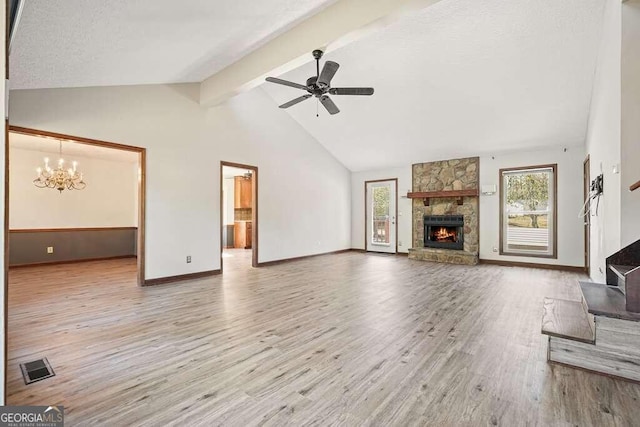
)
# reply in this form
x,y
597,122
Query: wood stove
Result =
x,y
444,231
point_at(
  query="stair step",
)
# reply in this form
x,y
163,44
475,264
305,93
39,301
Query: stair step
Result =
x,y
605,300
621,270
569,320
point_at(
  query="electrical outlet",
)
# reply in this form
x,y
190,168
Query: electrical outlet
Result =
x,y
49,249
188,259
399,242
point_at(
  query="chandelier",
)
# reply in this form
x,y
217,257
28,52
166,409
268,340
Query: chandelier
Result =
x,y
59,178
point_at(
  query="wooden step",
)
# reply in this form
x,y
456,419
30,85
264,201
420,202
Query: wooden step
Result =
x,y
569,320
604,300
621,270
594,358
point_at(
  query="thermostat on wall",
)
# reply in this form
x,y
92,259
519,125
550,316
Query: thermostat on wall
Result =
x,y
489,189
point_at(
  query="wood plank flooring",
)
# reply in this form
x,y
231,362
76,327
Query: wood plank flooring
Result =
x,y
348,339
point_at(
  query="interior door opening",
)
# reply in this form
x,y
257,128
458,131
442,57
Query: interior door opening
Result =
x,y
381,227
75,225
238,216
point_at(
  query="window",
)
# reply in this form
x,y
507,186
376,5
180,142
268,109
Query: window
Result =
x,y
380,206
528,211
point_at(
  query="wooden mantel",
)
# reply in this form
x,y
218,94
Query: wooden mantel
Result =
x,y
457,194
635,186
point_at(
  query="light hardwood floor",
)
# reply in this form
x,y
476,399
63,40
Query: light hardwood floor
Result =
x,y
349,339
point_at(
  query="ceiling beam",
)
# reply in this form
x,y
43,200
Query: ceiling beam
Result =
x,y
335,26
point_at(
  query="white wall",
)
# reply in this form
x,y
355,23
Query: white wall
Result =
x,y
603,141
109,200
570,231
570,227
304,192
404,205
630,146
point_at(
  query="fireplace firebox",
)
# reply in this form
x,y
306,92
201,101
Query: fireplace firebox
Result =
x,y
444,231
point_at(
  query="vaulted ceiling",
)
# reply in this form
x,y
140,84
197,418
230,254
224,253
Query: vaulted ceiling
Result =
x,y
460,77
75,43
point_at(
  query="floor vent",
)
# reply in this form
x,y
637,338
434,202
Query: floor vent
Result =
x,y
36,370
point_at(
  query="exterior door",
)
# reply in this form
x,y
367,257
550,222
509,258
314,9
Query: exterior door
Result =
x,y
381,228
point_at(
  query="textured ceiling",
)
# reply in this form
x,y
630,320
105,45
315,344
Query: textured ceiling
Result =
x,y
70,149
76,43
462,77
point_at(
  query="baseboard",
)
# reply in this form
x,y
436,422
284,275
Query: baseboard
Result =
x,y
570,268
282,261
73,261
181,277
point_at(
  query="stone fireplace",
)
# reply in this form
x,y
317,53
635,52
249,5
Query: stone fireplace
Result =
x,y
445,211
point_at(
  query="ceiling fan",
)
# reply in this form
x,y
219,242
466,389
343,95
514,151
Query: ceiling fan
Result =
x,y
320,86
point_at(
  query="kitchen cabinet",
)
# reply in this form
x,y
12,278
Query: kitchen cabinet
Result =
x,y
242,234
243,192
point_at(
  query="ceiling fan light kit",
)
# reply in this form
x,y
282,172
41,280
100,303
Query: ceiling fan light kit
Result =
x,y
320,86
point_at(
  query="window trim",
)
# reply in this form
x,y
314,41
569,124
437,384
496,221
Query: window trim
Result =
x,y
554,168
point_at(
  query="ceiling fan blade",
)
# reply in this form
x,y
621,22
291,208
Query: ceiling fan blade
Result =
x,y
285,82
329,105
295,101
351,91
328,71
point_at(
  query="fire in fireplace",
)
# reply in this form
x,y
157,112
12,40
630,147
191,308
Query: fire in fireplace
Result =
x,y
444,231
444,234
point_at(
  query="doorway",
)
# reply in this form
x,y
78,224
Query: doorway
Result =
x,y
381,211
238,216
109,152
586,173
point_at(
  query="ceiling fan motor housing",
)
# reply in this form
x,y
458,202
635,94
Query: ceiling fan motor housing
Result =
x,y
314,88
